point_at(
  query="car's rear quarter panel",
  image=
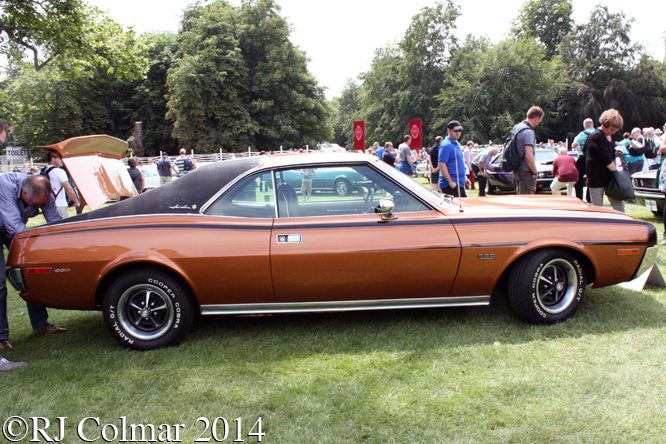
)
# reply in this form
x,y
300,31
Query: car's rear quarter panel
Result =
x,y
223,260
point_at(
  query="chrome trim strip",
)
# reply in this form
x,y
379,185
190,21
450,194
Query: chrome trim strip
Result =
x,y
649,259
306,307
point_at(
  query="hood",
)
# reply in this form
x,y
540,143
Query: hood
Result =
x,y
533,202
95,164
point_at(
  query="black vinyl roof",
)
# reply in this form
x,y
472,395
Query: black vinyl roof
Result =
x,y
185,195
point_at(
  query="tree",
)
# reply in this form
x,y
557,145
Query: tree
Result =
x,y
208,87
68,33
404,79
599,49
149,101
494,94
607,71
283,97
345,110
547,21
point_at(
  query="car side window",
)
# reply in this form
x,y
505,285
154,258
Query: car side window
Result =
x,y
252,197
338,190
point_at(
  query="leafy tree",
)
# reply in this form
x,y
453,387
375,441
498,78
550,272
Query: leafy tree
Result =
x,y
345,110
404,79
492,95
283,97
149,101
547,21
599,49
69,33
208,87
608,71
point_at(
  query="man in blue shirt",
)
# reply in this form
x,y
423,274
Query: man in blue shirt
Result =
x,y
21,197
379,150
451,162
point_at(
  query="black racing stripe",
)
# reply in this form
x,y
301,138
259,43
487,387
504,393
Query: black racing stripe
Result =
x,y
619,243
168,226
488,220
450,247
502,245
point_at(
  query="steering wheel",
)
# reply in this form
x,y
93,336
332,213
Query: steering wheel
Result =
x,y
367,200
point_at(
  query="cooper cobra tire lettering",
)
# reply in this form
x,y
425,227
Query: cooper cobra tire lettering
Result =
x,y
147,309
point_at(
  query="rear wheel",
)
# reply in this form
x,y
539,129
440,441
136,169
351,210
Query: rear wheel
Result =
x,y
546,286
342,187
147,309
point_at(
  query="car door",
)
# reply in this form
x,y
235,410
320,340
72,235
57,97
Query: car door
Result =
x,y
233,262
336,248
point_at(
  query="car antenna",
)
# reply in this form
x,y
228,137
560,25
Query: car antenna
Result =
x,y
458,184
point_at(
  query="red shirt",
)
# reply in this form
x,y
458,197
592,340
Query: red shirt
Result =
x,y
564,168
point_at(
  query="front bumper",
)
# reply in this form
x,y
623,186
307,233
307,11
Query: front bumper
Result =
x,y
649,259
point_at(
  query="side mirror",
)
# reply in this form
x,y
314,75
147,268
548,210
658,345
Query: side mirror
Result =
x,y
386,206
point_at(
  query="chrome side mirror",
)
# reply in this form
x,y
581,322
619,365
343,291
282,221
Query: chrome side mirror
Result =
x,y
386,206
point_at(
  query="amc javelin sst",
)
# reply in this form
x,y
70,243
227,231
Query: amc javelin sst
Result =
x,y
237,238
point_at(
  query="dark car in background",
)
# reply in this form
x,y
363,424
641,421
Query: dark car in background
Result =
x,y
341,181
647,193
504,181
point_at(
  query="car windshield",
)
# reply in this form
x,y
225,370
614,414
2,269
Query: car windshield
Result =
x,y
545,156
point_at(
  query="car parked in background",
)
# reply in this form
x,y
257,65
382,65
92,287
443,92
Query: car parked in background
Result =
x,y
341,181
647,193
504,181
151,179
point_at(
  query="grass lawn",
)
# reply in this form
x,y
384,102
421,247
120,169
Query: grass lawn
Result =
x,y
465,375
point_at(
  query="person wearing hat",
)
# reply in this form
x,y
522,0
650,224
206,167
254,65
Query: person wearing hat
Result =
x,y
165,169
451,162
525,175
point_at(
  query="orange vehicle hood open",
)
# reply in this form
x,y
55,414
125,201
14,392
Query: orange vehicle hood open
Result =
x,y
96,166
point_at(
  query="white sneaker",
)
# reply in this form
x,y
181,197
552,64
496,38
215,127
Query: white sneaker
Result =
x,y
6,365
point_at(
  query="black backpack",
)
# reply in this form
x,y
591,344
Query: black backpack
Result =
x,y
511,158
652,150
45,172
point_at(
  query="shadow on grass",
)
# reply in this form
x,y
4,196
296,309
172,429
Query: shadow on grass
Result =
x,y
263,339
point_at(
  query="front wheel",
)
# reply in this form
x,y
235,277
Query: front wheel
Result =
x,y
546,286
147,309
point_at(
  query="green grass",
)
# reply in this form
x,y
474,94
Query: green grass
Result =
x,y
466,375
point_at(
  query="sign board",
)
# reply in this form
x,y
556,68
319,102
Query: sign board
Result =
x,y
417,134
17,153
359,135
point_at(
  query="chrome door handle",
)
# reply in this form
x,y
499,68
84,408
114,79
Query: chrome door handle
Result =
x,y
289,238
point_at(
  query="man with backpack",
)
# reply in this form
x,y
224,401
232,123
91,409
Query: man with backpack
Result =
x,y
59,182
184,163
579,145
524,137
165,169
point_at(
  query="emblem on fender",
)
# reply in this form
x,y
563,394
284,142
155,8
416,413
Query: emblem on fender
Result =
x,y
487,256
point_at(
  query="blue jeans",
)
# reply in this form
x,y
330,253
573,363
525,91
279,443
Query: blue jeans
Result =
x,y
39,318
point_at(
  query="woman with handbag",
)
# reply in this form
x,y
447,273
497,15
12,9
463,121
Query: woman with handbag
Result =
x,y
600,162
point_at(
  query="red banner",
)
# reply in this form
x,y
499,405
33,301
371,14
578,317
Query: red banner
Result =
x,y
359,135
416,133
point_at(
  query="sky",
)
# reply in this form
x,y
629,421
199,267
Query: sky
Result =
x,y
340,37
